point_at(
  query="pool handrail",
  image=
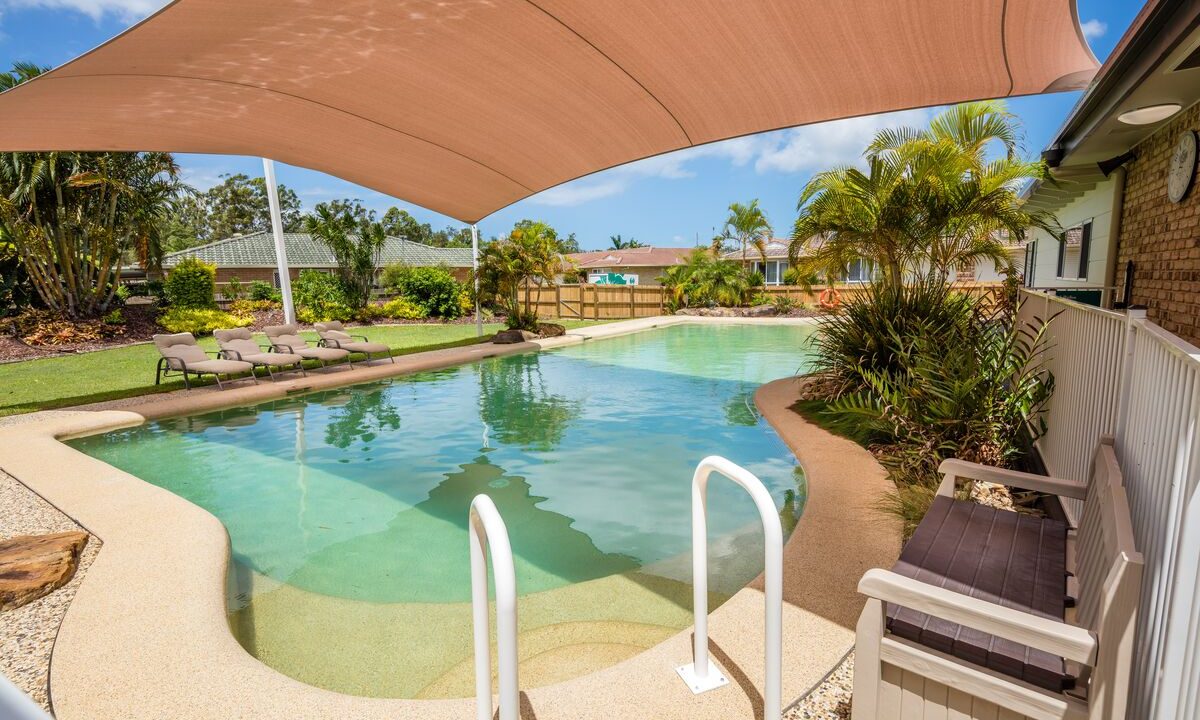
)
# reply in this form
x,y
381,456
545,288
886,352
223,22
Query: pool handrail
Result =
x,y
16,705
702,675
487,528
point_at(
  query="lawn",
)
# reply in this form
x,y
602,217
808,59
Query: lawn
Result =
x,y
56,382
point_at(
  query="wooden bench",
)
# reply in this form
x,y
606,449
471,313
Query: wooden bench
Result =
x,y
996,614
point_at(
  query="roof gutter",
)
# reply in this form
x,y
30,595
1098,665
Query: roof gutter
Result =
x,y
1155,33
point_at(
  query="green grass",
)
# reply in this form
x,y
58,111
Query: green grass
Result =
x,y
64,381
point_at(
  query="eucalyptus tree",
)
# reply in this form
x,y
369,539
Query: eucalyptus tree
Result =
x,y
747,225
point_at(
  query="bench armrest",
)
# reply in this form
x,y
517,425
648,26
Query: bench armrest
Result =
x,y
230,354
954,468
1052,636
275,347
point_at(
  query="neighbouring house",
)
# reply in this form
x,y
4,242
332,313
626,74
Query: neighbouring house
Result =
x,y
633,266
252,257
776,265
1124,164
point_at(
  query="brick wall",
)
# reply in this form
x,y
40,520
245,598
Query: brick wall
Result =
x,y
1163,238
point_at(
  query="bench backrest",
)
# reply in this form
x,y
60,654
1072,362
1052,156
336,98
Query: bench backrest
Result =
x,y
1109,570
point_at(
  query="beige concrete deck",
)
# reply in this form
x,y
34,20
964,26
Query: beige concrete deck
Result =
x,y
148,637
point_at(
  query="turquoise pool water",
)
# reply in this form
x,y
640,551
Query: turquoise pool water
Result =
x,y
348,507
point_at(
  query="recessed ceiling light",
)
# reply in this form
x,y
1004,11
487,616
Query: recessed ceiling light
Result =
x,y
1149,115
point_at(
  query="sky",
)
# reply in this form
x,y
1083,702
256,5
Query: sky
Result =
x,y
679,199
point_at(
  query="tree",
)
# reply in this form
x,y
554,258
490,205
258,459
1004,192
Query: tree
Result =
x,y
529,254
72,216
399,223
707,280
239,206
566,245
747,226
345,206
928,201
357,254
619,243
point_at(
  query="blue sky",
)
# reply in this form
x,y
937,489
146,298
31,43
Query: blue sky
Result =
x,y
677,199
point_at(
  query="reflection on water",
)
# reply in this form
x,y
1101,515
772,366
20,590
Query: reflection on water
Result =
x,y
348,507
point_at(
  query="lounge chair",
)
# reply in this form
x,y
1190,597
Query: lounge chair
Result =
x,y
334,335
238,344
181,353
286,339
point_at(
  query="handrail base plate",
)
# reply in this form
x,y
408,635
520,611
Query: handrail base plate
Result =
x,y
714,679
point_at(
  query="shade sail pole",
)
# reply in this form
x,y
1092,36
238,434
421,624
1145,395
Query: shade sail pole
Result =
x,y
475,274
281,263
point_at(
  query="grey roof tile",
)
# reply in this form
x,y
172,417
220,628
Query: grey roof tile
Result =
x,y
258,250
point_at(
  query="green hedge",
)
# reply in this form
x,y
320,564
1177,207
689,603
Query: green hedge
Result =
x,y
434,289
191,284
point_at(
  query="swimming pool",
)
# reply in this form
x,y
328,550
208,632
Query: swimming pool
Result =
x,y
346,509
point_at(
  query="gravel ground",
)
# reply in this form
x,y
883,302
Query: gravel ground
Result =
x,y
830,699
27,633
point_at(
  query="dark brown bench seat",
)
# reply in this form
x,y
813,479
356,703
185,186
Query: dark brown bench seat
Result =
x,y
1004,557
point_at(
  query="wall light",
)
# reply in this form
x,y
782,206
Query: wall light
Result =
x,y
1149,115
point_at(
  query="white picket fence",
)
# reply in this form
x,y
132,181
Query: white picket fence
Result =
x,y
1119,374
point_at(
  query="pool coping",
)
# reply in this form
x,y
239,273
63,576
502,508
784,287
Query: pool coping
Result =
x,y
148,636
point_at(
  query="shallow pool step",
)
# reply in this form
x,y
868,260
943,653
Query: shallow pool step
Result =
x,y
553,653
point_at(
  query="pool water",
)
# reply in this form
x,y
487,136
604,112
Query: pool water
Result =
x,y
347,509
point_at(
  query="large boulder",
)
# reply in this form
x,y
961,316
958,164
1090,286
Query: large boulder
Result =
x,y
508,337
549,330
32,566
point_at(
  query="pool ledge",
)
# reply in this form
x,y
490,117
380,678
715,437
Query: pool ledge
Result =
x,y
147,635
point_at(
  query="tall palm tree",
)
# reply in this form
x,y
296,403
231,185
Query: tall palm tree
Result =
x,y
747,225
619,243
929,200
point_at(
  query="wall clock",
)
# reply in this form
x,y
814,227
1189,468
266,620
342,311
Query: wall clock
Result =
x,y
1182,170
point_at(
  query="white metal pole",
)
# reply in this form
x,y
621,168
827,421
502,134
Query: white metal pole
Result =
x,y
475,274
281,263
487,527
701,675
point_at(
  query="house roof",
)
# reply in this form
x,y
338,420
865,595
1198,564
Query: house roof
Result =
x,y
632,257
258,250
777,249
467,107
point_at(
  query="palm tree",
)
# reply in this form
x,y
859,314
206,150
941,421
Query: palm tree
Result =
x,y
529,254
707,280
621,244
929,199
748,226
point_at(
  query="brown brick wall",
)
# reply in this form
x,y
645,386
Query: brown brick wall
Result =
x,y
1162,238
246,275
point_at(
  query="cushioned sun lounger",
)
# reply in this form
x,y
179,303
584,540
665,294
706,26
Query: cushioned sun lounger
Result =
x,y
335,336
238,344
181,353
286,339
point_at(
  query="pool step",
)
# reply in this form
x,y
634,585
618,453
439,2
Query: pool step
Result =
x,y
553,653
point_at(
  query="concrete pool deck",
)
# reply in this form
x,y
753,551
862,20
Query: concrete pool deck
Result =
x,y
148,634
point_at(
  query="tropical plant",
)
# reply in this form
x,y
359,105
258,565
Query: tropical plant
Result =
x,y
200,321
433,289
403,309
704,280
191,284
234,290
320,296
928,200
72,217
260,290
530,254
619,243
748,227
357,254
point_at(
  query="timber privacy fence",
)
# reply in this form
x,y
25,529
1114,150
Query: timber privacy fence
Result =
x,y
1119,374
618,302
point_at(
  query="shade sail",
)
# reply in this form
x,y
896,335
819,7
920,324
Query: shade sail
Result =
x,y
465,106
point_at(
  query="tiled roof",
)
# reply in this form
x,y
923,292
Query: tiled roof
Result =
x,y
632,257
258,250
777,249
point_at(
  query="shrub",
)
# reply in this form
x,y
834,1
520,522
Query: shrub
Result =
x,y
434,289
260,290
319,297
191,284
705,281
122,295
200,321
234,289
466,302
150,288
784,304
116,317
249,307
369,313
403,309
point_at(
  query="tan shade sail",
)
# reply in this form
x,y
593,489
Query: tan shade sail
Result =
x,y
465,106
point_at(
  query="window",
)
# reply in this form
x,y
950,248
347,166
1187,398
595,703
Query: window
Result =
x,y
772,272
1073,252
860,271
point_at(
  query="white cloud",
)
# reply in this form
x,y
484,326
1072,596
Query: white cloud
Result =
x,y
578,193
126,10
830,144
1094,28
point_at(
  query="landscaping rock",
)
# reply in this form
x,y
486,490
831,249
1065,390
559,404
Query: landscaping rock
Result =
x,y
759,311
508,337
549,330
32,566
